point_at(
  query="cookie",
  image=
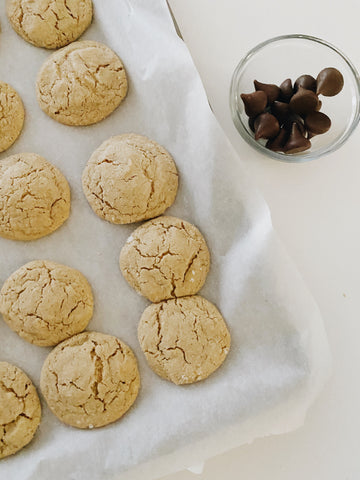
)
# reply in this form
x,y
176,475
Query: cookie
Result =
x,y
81,84
165,258
20,409
130,178
184,339
49,23
90,380
45,302
11,116
34,197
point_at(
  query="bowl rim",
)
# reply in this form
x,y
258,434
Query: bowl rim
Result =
x,y
297,157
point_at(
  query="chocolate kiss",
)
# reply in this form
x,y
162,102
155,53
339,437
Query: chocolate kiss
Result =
x,y
254,103
251,124
277,144
296,142
329,82
280,110
317,123
319,105
305,81
298,120
286,90
303,102
272,91
266,126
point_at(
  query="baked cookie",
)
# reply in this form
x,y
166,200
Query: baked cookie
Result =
x,y
81,84
130,178
165,258
34,197
49,23
11,116
20,409
184,339
45,302
90,380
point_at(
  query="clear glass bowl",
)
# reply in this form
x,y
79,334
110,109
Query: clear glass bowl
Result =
x,y
290,56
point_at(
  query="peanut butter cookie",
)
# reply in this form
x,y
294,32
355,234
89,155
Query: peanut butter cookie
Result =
x,y
184,339
90,380
81,84
49,23
20,409
45,302
130,178
11,116
34,197
165,258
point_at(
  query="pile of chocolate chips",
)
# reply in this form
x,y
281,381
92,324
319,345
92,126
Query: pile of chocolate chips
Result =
x,y
288,116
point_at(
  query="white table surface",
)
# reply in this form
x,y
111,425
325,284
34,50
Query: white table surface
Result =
x,y
315,208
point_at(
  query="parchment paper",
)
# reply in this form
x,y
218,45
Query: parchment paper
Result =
x,y
279,356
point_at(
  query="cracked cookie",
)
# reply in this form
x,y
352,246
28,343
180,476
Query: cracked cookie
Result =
x,y
49,23
45,302
90,380
130,178
184,339
81,84
11,116
20,409
165,258
34,197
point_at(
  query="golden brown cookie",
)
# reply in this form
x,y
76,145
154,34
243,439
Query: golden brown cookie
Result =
x,y
81,84
130,178
164,258
49,23
45,302
90,380
184,339
34,197
11,116
20,409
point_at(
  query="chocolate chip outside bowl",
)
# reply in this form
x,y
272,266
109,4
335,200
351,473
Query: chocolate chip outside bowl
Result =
x,y
290,56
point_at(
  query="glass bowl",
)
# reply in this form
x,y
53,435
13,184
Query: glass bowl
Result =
x,y
289,56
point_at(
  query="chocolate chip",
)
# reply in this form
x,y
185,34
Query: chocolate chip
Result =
x,y
329,82
305,81
303,102
266,126
277,144
281,111
317,123
286,90
296,142
254,103
272,91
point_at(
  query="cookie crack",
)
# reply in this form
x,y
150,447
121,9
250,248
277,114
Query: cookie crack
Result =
x,y
98,364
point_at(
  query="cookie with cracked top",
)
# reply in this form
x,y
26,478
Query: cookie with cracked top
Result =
x,y
46,302
165,258
49,23
34,197
81,84
90,380
11,116
20,409
130,178
184,339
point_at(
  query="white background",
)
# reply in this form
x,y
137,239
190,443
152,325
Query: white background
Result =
x,y
315,208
